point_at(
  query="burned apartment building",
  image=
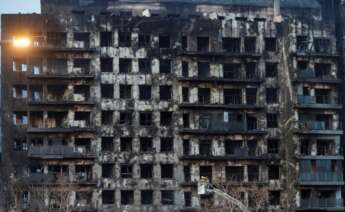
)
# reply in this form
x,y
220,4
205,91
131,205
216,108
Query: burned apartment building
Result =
x,y
124,105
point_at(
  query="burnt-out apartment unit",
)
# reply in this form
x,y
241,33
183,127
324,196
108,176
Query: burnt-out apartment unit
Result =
x,y
125,105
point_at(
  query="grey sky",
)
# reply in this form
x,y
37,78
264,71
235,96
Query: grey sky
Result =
x,y
19,6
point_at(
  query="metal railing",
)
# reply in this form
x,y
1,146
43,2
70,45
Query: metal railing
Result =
x,y
311,74
321,202
312,125
306,99
321,177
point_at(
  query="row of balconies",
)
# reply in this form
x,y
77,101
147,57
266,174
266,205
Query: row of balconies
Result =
x,y
59,152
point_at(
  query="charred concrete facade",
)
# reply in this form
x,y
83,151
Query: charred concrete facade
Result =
x,y
130,103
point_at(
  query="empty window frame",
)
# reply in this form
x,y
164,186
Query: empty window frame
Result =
x,y
81,39
251,70
232,71
271,95
184,42
164,66
107,117
203,44
126,171
106,39
274,198
271,44
125,39
108,197
188,198
146,171
145,66
322,45
125,91
57,39
273,172
107,91
106,64
234,173
167,144
107,170
146,144
187,173
251,96
206,171
185,94
233,147
252,122
185,69
125,65
167,197
81,66
125,144
273,146
57,66
185,120
272,120
205,147
127,197
146,197
250,44
166,118
232,45
232,96
302,43
145,118
126,118
203,69
144,92
164,41
167,171
323,70
271,69
186,146
165,92
253,173
144,40
204,95
107,144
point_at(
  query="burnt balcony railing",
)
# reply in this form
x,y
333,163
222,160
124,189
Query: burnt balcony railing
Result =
x,y
315,202
59,152
321,177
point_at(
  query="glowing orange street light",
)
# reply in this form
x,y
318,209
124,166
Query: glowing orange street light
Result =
x,y
22,42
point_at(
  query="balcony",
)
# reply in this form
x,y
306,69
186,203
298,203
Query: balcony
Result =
x,y
310,75
319,102
317,127
321,178
46,178
70,100
59,152
321,204
55,178
210,79
220,54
